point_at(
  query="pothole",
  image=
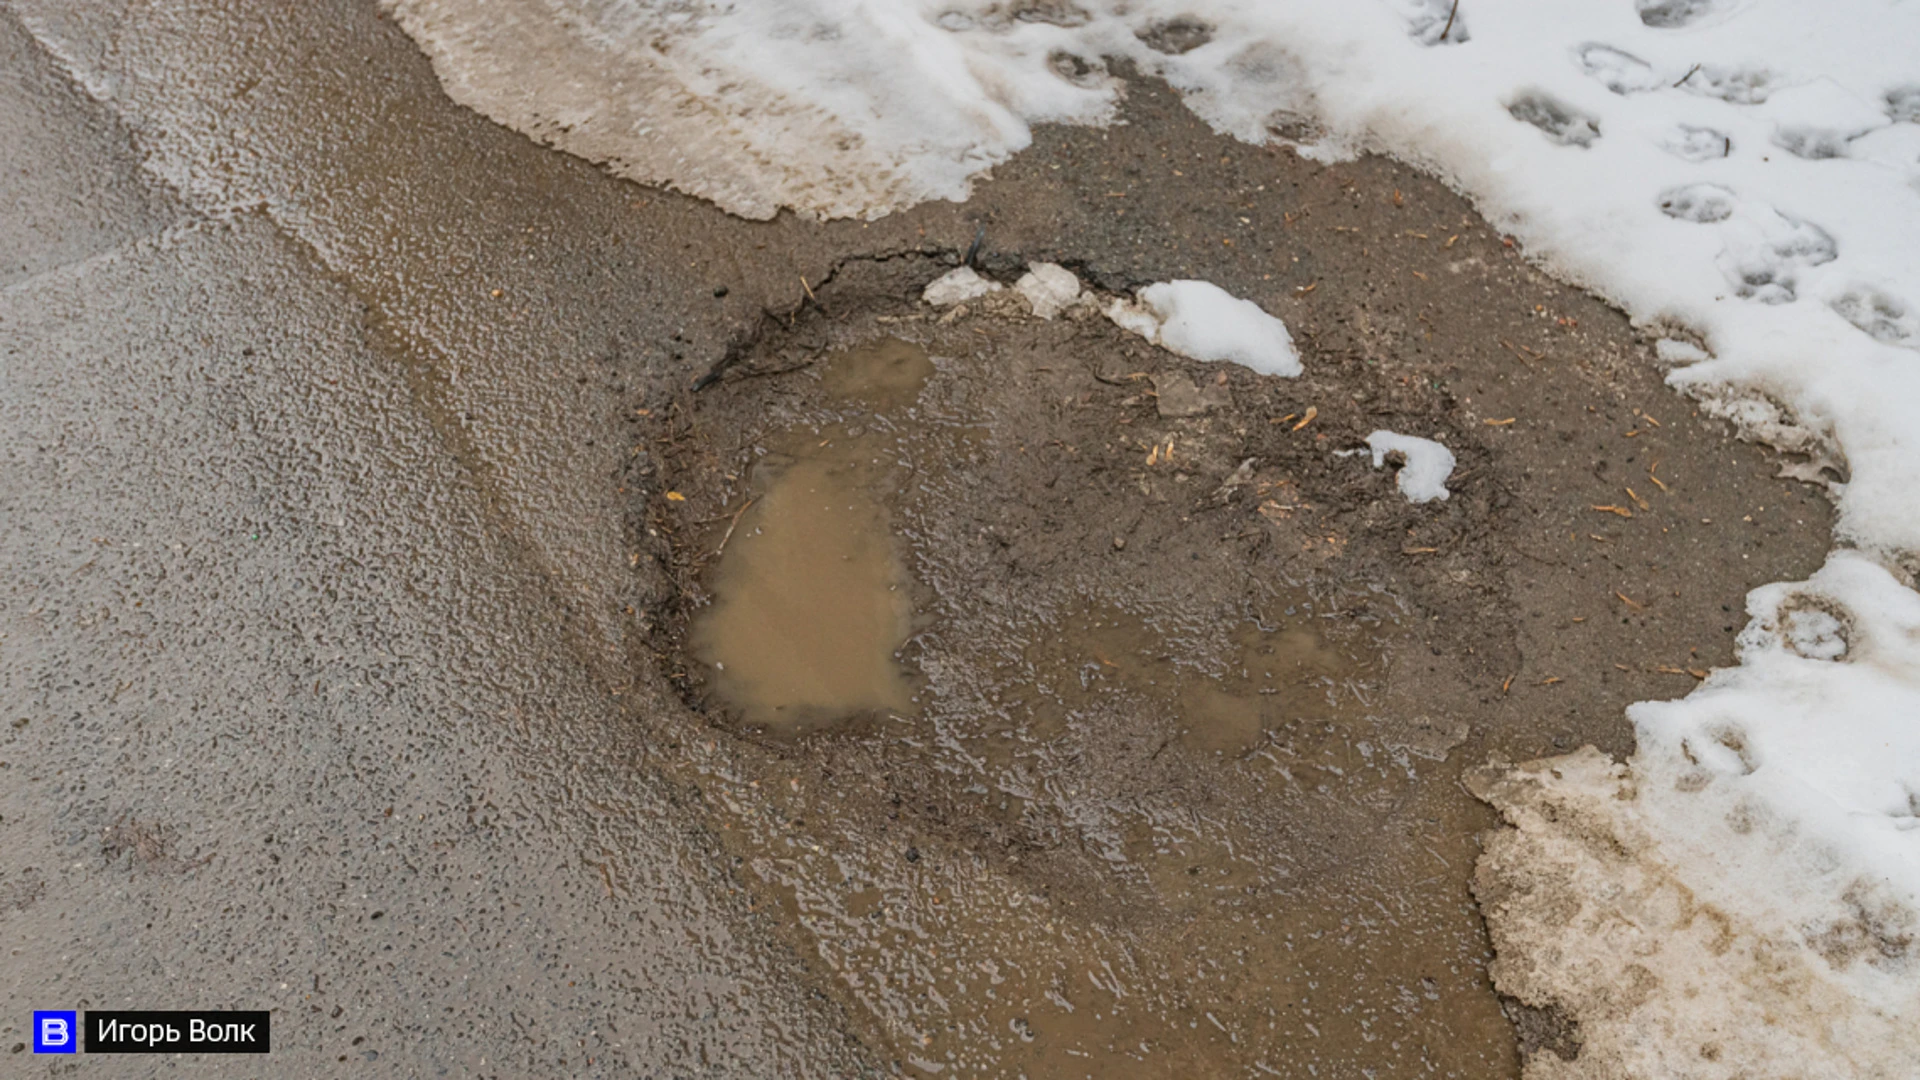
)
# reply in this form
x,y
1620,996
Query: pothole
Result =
x,y
1056,644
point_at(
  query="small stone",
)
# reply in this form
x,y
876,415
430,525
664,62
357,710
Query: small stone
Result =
x,y
1119,543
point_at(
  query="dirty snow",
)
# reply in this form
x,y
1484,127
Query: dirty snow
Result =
x,y
1737,899
1202,321
1423,476
1742,174
957,286
1049,288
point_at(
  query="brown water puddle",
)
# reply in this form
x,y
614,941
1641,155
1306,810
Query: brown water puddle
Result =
x,y
812,602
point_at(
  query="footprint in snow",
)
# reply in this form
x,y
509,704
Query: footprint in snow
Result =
x,y
1879,315
1557,120
1701,203
1674,14
1691,143
1743,84
1806,625
1428,20
1903,104
1812,143
1766,250
1176,36
1616,69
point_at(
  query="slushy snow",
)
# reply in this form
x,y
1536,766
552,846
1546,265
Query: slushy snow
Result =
x,y
1202,321
1427,464
1742,174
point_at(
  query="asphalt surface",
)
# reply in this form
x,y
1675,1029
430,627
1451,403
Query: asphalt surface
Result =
x,y
299,714
325,625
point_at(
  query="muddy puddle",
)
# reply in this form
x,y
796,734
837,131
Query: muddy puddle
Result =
x,y
812,602
1093,764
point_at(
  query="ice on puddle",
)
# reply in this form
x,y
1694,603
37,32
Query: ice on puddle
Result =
x,y
1202,321
958,286
1049,288
1423,476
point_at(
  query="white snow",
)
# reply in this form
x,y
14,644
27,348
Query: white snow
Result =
x,y
1202,321
1423,477
1747,171
1049,288
958,286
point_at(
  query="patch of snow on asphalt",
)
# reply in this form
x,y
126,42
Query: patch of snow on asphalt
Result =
x,y
1749,873
1202,321
1423,476
958,286
1049,288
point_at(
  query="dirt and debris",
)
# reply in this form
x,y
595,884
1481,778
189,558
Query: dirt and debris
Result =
x,y
1177,677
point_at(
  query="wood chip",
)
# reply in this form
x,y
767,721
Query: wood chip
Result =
x,y
1522,354
1508,685
1307,418
1621,510
1499,423
1551,680
1638,501
1418,551
674,496
1630,601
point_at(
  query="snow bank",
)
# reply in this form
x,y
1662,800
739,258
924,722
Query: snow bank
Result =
x,y
1423,478
1741,898
1202,321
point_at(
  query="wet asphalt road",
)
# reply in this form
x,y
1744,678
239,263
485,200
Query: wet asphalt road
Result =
x,y
301,713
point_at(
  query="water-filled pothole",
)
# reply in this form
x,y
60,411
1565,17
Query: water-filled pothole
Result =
x,y
811,600
1080,684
